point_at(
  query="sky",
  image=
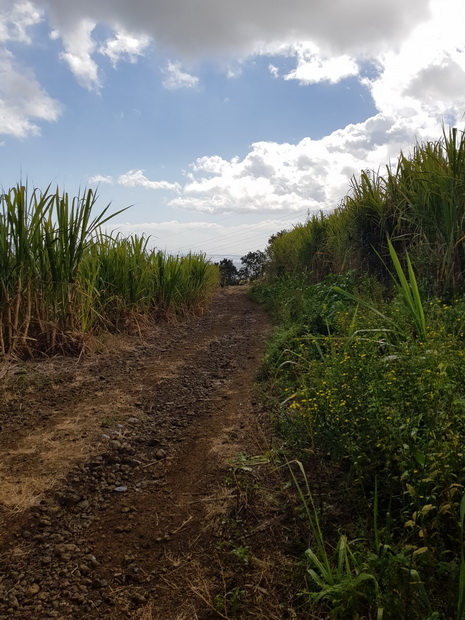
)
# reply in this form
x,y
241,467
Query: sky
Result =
x,y
221,123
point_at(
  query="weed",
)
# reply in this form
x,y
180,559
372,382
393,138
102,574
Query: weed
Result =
x,y
242,553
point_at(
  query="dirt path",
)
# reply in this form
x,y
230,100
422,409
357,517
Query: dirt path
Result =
x,y
112,494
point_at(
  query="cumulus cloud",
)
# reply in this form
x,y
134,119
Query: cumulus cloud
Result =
x,y
327,40
312,67
225,32
125,46
311,175
79,47
176,78
426,75
134,178
442,81
267,179
81,50
336,33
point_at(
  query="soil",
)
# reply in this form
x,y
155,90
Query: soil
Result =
x,y
135,482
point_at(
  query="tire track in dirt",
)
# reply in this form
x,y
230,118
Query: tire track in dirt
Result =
x,y
131,520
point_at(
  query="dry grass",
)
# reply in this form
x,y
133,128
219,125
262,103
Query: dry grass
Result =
x,y
43,457
20,495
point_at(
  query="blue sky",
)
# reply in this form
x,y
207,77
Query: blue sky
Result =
x,y
221,123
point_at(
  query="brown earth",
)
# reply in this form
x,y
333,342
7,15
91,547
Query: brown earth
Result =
x,y
135,483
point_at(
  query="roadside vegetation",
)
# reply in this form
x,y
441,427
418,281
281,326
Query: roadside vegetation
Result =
x,y
63,279
366,374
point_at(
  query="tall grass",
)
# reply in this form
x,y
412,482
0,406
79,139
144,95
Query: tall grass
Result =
x,y
419,204
61,277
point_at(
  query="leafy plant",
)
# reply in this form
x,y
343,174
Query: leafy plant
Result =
x,y
409,291
345,584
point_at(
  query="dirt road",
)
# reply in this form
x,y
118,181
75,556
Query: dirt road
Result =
x,y
113,468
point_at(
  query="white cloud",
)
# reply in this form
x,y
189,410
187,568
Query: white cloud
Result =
x,y
312,67
98,178
79,47
23,103
311,175
134,178
176,78
426,76
226,32
442,81
125,46
328,40
274,70
17,20
267,180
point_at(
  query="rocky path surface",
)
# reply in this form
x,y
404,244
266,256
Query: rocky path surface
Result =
x,y
111,468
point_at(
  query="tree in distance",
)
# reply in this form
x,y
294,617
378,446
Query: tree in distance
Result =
x,y
252,268
253,264
229,274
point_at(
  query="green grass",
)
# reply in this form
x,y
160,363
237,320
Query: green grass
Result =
x,y
62,278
